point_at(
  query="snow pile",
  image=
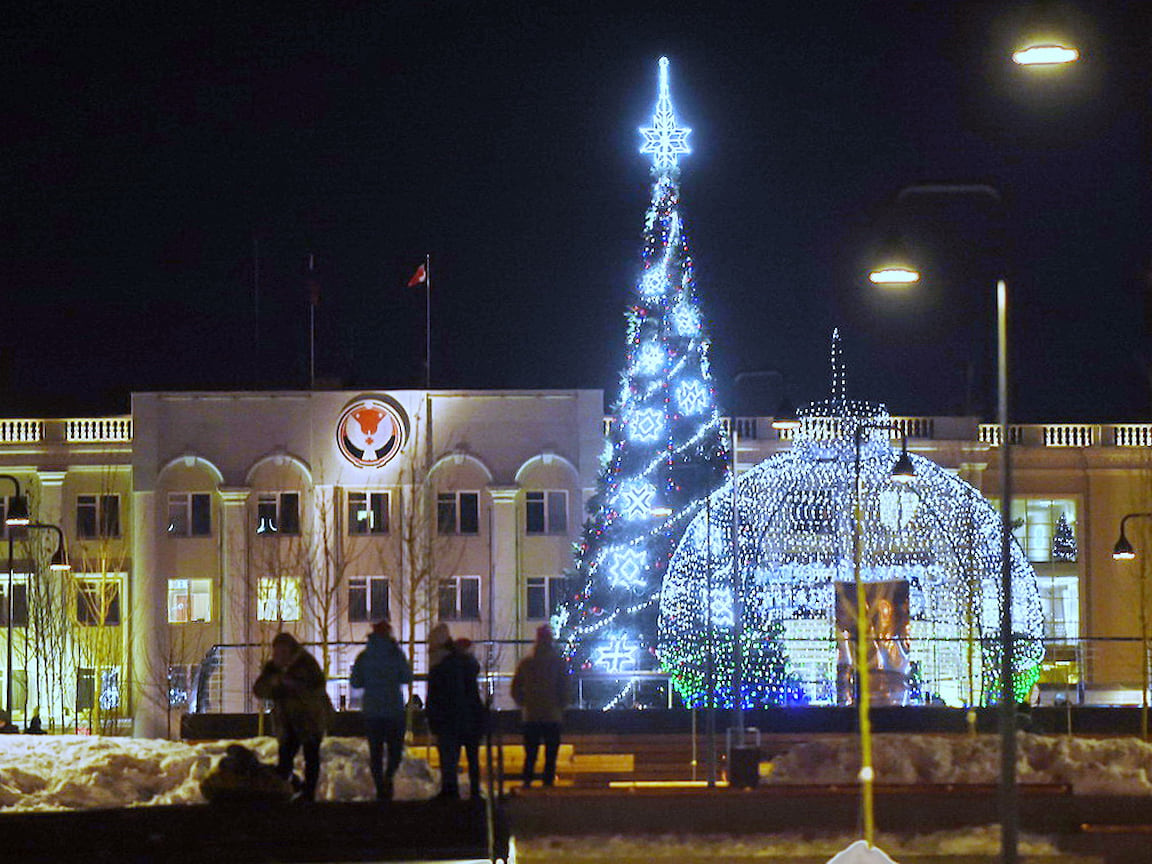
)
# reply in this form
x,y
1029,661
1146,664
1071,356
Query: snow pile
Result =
x,y
1111,766
984,840
70,772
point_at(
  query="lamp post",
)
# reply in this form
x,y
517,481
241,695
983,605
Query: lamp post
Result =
x,y
15,516
902,472
1124,551
1008,791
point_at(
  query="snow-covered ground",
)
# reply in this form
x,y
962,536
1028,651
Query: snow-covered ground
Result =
x,y
76,772
73,772
1105,766
712,847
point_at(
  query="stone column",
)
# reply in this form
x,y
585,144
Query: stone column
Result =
x,y
148,625
235,599
503,599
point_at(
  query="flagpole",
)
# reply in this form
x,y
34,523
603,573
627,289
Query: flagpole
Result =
x,y
312,298
428,321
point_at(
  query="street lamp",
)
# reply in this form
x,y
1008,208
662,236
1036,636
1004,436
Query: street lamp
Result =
x,y
1008,791
15,516
1124,551
59,562
902,472
1051,54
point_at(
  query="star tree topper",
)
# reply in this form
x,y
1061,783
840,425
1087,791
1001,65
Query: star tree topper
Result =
x,y
664,139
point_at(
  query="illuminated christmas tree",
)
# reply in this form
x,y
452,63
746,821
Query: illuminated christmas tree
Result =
x,y
1063,540
665,452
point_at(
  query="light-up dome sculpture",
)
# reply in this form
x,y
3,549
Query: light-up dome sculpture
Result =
x,y
930,561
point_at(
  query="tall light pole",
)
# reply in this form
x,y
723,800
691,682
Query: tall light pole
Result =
x,y
1009,828
15,515
902,472
1124,551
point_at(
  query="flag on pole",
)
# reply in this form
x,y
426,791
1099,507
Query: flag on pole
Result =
x,y
421,275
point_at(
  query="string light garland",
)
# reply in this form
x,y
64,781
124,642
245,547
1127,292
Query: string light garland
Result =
x,y
666,449
936,535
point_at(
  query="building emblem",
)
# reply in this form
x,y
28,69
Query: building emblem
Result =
x,y
372,430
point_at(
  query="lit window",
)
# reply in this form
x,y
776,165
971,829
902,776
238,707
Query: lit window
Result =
x,y
367,512
368,599
1045,528
189,514
278,513
544,593
460,598
189,600
546,512
458,513
278,598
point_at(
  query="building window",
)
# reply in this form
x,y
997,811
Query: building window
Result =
x,y
98,602
85,689
97,516
458,513
367,512
460,598
367,598
19,604
1045,528
189,514
547,512
544,593
181,682
1060,600
278,598
278,513
189,600
109,698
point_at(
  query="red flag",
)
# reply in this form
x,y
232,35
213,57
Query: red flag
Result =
x,y
421,275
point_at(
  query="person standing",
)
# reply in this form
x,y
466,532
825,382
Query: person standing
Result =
x,y
456,716
540,687
381,670
294,682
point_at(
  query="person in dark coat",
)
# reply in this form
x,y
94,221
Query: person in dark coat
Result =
x,y
294,682
241,778
541,688
456,716
381,669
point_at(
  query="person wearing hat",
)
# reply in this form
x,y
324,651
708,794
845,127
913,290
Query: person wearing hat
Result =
x,y
456,716
301,710
381,670
541,688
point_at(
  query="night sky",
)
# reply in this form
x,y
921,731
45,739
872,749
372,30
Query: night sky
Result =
x,y
150,151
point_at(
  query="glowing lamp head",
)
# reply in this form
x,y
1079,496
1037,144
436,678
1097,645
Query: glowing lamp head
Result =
x,y
59,560
1045,55
17,511
897,274
1123,550
661,512
903,471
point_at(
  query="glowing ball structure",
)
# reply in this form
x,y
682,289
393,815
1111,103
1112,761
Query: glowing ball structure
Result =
x,y
930,561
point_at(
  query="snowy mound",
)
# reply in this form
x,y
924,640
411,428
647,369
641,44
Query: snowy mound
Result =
x,y
1111,766
79,772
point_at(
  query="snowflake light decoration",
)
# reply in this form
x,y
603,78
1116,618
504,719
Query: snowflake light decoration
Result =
x,y
625,568
692,397
636,499
664,139
650,359
618,654
646,424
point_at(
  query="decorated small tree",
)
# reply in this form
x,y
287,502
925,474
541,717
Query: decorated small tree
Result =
x,y
666,448
1063,540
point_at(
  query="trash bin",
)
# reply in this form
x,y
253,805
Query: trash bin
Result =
x,y
743,758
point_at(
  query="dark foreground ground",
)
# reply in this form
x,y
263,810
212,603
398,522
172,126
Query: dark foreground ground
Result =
x,y
1105,829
